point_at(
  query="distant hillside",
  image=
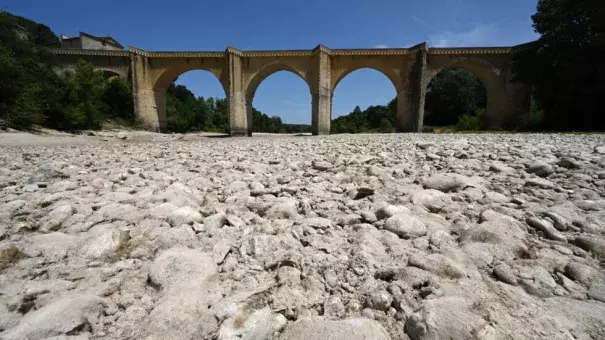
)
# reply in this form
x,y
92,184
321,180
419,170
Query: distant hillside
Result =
x,y
37,33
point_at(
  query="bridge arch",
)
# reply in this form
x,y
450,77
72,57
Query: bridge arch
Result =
x,y
491,77
111,72
339,75
167,71
168,76
358,83
256,78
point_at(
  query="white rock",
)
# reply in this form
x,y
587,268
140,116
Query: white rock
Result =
x,y
103,244
448,182
387,211
215,221
405,226
184,215
58,318
177,266
252,325
547,228
444,318
349,329
541,169
56,217
439,265
283,208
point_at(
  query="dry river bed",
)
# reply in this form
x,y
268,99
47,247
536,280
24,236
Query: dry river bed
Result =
x,y
414,236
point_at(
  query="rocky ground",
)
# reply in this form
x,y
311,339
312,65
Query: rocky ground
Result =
x,y
337,237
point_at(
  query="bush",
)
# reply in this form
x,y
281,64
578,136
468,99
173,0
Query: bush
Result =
x,y
85,94
385,126
118,96
521,121
472,123
28,109
535,119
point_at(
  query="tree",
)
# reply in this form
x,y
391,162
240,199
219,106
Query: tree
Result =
x,y
566,63
385,126
118,96
451,94
85,95
28,109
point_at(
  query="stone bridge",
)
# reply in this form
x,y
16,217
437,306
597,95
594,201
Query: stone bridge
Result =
x,y
241,72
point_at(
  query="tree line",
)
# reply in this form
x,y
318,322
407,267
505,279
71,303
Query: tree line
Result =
x,y
455,98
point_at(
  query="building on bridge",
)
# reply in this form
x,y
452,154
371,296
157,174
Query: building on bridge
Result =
x,y
90,42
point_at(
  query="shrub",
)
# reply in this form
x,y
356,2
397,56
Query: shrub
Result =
x,y
472,123
28,109
118,96
86,94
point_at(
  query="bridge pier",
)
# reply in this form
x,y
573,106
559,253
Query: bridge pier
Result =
x,y
240,110
149,103
410,102
321,92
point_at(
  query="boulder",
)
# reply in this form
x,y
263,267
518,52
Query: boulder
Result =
x,y
595,245
388,210
349,329
177,266
438,265
103,244
444,318
285,208
448,182
56,217
405,226
61,317
184,215
541,168
547,228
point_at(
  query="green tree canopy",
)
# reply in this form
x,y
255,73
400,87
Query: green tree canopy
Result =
x,y
566,63
451,94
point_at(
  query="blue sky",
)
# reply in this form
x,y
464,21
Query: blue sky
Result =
x,y
282,24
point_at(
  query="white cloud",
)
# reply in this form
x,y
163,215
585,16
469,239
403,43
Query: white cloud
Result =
x,y
478,35
381,46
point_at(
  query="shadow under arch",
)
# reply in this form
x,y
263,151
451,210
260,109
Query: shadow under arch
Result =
x,y
256,79
490,78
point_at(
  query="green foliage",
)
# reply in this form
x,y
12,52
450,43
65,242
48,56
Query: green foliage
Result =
x,y
119,100
451,94
30,91
566,64
86,98
10,70
379,118
297,128
28,109
263,123
385,126
185,112
530,121
474,122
